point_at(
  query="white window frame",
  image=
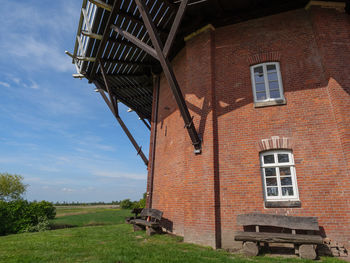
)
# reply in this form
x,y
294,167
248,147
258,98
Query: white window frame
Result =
x,y
278,165
266,81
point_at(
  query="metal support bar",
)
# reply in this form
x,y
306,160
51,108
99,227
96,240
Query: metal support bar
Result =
x,y
169,74
112,104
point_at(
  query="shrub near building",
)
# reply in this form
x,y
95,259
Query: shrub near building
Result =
x,y
18,215
23,216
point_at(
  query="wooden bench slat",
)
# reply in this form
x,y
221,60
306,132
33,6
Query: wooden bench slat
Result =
x,y
278,238
144,222
154,213
291,222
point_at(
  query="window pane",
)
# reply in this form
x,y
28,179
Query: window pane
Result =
x,y
272,76
260,87
283,158
286,181
275,94
287,191
259,78
272,191
273,85
270,171
271,181
269,158
285,171
271,68
259,70
261,96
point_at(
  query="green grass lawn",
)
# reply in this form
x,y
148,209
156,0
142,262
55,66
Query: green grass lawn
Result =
x,y
113,243
90,216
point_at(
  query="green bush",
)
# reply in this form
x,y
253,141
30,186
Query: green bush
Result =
x,y
126,204
141,203
23,216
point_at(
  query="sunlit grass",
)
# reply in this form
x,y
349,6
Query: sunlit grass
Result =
x,y
113,243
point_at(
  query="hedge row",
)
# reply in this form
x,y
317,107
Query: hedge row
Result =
x,y
22,216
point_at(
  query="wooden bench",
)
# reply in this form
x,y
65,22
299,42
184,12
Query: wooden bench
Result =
x,y
149,220
300,231
136,212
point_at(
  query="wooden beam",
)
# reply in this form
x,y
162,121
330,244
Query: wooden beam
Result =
x,y
114,110
91,35
139,21
111,98
146,123
125,62
105,37
278,238
86,19
91,59
170,75
101,4
174,28
135,41
292,222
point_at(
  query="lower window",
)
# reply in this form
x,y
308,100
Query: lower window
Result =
x,y
278,174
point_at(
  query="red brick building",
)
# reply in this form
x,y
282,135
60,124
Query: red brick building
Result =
x,y
202,194
270,100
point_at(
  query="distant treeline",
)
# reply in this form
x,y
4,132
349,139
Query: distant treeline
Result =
x,y
64,203
126,203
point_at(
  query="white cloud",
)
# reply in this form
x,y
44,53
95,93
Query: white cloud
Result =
x,y
16,80
5,84
109,174
33,85
67,190
35,54
35,34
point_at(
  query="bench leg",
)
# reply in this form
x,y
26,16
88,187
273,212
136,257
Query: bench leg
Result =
x,y
250,249
138,227
150,231
307,251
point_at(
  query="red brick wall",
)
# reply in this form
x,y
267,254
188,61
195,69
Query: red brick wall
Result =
x,y
202,194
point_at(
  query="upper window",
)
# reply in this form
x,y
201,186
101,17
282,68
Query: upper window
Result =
x,y
267,82
279,178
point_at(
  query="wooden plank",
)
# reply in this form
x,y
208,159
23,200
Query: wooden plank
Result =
x,y
91,35
292,222
86,19
101,4
144,222
155,213
277,238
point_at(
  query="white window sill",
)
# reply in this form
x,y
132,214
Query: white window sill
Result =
x,y
261,104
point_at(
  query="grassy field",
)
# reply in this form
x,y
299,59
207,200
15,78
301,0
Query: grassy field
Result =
x,y
89,216
112,243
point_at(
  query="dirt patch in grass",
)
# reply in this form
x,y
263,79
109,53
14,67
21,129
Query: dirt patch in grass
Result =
x,y
61,226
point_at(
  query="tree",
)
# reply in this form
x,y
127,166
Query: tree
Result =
x,y
11,187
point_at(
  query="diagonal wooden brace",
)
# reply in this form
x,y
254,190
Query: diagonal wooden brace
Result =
x,y
167,67
113,106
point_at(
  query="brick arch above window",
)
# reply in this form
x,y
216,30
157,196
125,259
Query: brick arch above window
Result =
x,y
275,143
264,57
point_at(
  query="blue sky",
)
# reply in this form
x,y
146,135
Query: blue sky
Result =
x,y
56,131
